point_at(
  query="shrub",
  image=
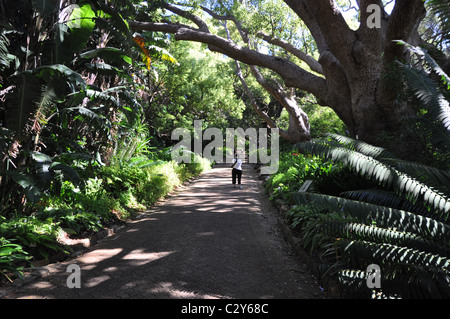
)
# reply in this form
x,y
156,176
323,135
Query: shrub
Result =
x,y
294,169
402,226
198,165
12,258
37,237
113,195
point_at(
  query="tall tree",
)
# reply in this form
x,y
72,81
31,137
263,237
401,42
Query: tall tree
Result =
x,y
354,67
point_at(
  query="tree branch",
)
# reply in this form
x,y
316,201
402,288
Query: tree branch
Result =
x,y
271,123
202,26
404,18
292,74
299,128
309,60
327,25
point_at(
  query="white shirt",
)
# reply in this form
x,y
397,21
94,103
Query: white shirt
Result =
x,y
238,164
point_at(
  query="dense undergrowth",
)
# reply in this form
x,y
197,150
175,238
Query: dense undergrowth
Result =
x,y
367,207
113,195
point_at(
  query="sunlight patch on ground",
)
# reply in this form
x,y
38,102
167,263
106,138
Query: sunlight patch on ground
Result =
x,y
138,257
92,282
99,255
168,288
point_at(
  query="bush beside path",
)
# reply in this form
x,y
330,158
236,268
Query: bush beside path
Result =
x,y
209,240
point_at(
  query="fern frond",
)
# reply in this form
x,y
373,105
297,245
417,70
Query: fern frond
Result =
x,y
383,216
363,253
427,174
357,231
362,147
428,93
400,282
364,165
422,54
386,198
382,173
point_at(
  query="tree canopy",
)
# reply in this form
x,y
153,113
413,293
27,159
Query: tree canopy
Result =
x,y
346,64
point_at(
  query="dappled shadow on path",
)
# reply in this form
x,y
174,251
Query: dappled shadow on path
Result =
x,y
207,241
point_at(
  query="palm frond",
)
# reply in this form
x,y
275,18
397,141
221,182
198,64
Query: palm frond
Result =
x,y
425,173
425,227
422,54
401,281
428,93
441,8
48,97
383,174
4,52
386,198
358,231
362,147
363,253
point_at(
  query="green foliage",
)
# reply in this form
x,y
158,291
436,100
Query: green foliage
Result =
x,y
321,119
113,196
39,176
198,165
441,8
369,163
400,222
76,135
430,86
309,225
200,87
294,169
12,258
38,237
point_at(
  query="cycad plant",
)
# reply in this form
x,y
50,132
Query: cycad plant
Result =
x,y
430,85
402,226
441,8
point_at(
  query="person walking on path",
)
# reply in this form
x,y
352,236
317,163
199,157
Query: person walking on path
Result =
x,y
237,170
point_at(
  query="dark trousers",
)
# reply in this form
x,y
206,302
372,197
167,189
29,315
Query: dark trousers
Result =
x,y
236,173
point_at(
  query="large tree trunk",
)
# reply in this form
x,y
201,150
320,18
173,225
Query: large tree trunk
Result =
x,y
358,65
355,65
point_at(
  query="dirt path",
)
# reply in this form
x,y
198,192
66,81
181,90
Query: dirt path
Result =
x,y
208,241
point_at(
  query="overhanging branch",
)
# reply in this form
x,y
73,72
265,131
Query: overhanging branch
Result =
x,y
309,60
291,73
